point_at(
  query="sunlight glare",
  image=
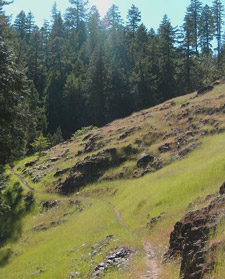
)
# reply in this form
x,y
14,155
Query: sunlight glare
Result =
x,y
102,6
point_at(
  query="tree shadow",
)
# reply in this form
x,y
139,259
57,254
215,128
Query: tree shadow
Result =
x,y
5,255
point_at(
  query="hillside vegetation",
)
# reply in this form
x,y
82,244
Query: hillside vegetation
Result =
x,y
107,200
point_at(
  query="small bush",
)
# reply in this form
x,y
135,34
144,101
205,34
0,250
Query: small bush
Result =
x,y
83,131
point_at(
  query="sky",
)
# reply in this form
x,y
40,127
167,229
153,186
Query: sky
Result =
x,y
152,10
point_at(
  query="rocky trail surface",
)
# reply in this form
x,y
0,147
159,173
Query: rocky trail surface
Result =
x,y
153,270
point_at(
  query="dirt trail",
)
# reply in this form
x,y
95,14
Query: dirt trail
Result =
x,y
153,269
22,180
119,217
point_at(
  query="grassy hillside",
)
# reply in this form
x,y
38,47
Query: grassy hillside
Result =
x,y
67,236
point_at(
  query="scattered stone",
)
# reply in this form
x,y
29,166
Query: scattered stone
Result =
x,y
61,172
126,134
55,224
185,150
153,221
164,148
97,247
54,159
92,145
74,275
144,160
204,90
38,272
40,227
31,163
185,105
117,258
129,150
49,204
76,202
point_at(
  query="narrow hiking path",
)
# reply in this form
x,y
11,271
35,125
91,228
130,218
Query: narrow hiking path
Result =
x,y
21,179
153,269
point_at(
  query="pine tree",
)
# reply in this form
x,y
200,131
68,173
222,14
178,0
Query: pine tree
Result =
x,y
57,137
117,101
45,34
133,19
76,14
166,50
20,25
206,30
56,42
142,75
194,13
218,13
20,28
29,23
113,20
96,77
186,57
35,57
13,107
40,144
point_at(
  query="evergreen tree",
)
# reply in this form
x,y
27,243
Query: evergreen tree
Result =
x,y
56,42
113,20
35,57
206,29
218,13
20,28
187,54
20,25
29,23
76,14
40,144
142,76
194,13
45,34
56,138
166,59
134,18
96,77
13,107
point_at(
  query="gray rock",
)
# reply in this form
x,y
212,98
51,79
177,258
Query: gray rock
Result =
x,y
144,160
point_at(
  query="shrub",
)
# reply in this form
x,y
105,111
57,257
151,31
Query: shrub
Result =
x,y
83,131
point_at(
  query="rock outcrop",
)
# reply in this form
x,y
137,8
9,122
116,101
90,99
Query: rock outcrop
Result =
x,y
190,236
89,170
144,160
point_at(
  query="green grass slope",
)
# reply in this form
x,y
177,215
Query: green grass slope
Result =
x,y
59,242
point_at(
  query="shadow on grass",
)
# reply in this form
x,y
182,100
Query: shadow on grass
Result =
x,y
5,256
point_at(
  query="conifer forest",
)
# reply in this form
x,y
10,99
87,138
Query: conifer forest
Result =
x,y
80,69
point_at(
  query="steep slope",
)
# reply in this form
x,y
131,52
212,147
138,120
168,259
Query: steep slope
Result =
x,y
126,186
157,136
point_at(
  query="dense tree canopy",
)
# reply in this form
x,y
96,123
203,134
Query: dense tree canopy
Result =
x,y
81,70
